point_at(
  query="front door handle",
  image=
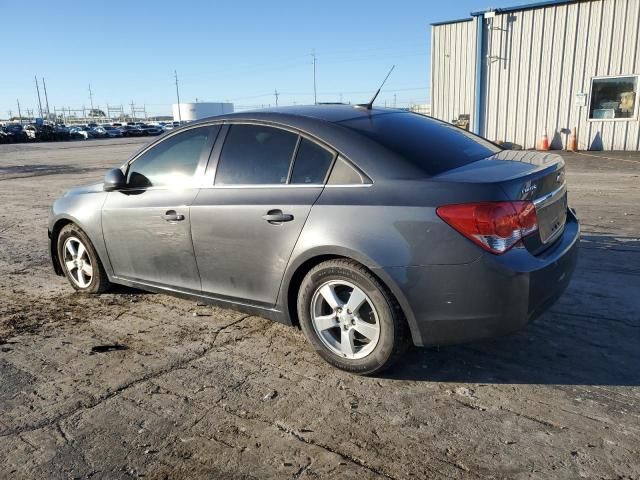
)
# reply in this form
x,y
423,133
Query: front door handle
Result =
x,y
275,217
172,216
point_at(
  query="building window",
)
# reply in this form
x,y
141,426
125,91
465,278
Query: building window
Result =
x,y
613,98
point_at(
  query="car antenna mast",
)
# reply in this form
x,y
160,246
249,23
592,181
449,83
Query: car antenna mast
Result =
x,y
369,105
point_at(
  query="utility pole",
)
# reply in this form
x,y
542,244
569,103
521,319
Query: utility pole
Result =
x,y
276,95
175,72
133,112
19,112
46,98
91,97
315,95
394,100
39,102
10,112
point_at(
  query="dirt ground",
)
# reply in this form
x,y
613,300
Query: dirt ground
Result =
x,y
192,391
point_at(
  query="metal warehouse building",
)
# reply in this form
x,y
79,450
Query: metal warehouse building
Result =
x,y
554,67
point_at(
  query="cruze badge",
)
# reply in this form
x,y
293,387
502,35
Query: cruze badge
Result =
x,y
529,188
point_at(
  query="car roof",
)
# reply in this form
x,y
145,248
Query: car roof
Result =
x,y
332,112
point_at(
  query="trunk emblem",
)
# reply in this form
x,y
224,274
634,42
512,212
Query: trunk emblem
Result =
x,y
529,188
560,177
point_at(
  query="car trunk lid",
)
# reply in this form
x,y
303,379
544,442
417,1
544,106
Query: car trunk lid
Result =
x,y
525,175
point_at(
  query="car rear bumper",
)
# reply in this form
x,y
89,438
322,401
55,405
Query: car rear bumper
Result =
x,y
491,296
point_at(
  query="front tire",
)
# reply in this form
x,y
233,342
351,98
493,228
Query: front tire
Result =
x,y
350,318
80,262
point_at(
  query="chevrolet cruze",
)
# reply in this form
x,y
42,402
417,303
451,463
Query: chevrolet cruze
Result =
x,y
368,228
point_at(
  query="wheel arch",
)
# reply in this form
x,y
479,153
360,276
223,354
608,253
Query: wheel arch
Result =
x,y
298,269
56,227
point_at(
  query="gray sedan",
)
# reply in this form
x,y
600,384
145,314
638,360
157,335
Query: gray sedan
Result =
x,y
370,229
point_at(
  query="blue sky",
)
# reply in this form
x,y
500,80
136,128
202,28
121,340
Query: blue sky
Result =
x,y
239,51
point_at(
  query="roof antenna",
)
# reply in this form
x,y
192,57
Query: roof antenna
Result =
x,y
369,105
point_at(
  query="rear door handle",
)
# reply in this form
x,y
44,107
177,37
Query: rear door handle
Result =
x,y
275,217
172,216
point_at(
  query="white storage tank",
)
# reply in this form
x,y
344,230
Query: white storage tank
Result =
x,y
188,112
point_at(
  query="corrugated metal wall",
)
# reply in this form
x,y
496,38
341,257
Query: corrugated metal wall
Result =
x,y
453,60
537,60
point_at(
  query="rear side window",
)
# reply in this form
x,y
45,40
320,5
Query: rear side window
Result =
x,y
312,163
255,154
171,162
431,146
343,173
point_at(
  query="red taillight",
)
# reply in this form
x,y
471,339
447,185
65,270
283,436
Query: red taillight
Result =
x,y
495,226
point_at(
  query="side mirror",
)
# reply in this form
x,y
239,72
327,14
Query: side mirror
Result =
x,y
114,180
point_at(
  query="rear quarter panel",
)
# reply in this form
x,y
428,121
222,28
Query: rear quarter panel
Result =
x,y
390,224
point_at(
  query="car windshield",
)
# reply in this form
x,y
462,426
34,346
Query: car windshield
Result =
x,y
432,146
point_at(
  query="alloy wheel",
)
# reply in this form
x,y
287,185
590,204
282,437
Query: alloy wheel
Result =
x,y
345,319
77,262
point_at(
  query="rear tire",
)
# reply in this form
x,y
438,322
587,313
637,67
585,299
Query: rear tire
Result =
x,y
350,318
80,262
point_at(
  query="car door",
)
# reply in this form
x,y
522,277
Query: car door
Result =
x,y
146,226
246,222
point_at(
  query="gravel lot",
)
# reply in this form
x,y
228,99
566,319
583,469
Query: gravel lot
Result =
x,y
195,391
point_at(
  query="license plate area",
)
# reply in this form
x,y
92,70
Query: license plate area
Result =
x,y
552,218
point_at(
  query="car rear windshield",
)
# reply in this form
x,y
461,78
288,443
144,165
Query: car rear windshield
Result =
x,y
432,146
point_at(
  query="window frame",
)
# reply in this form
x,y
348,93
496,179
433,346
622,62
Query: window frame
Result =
x,y
198,175
214,161
632,118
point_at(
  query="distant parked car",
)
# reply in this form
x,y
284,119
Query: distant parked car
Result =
x,y
14,133
171,126
30,131
131,131
80,132
61,132
112,132
152,130
99,132
44,133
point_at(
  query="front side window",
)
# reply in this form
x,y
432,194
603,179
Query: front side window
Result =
x,y
172,162
255,155
613,98
312,163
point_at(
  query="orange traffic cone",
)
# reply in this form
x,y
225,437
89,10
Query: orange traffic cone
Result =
x,y
543,142
572,142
